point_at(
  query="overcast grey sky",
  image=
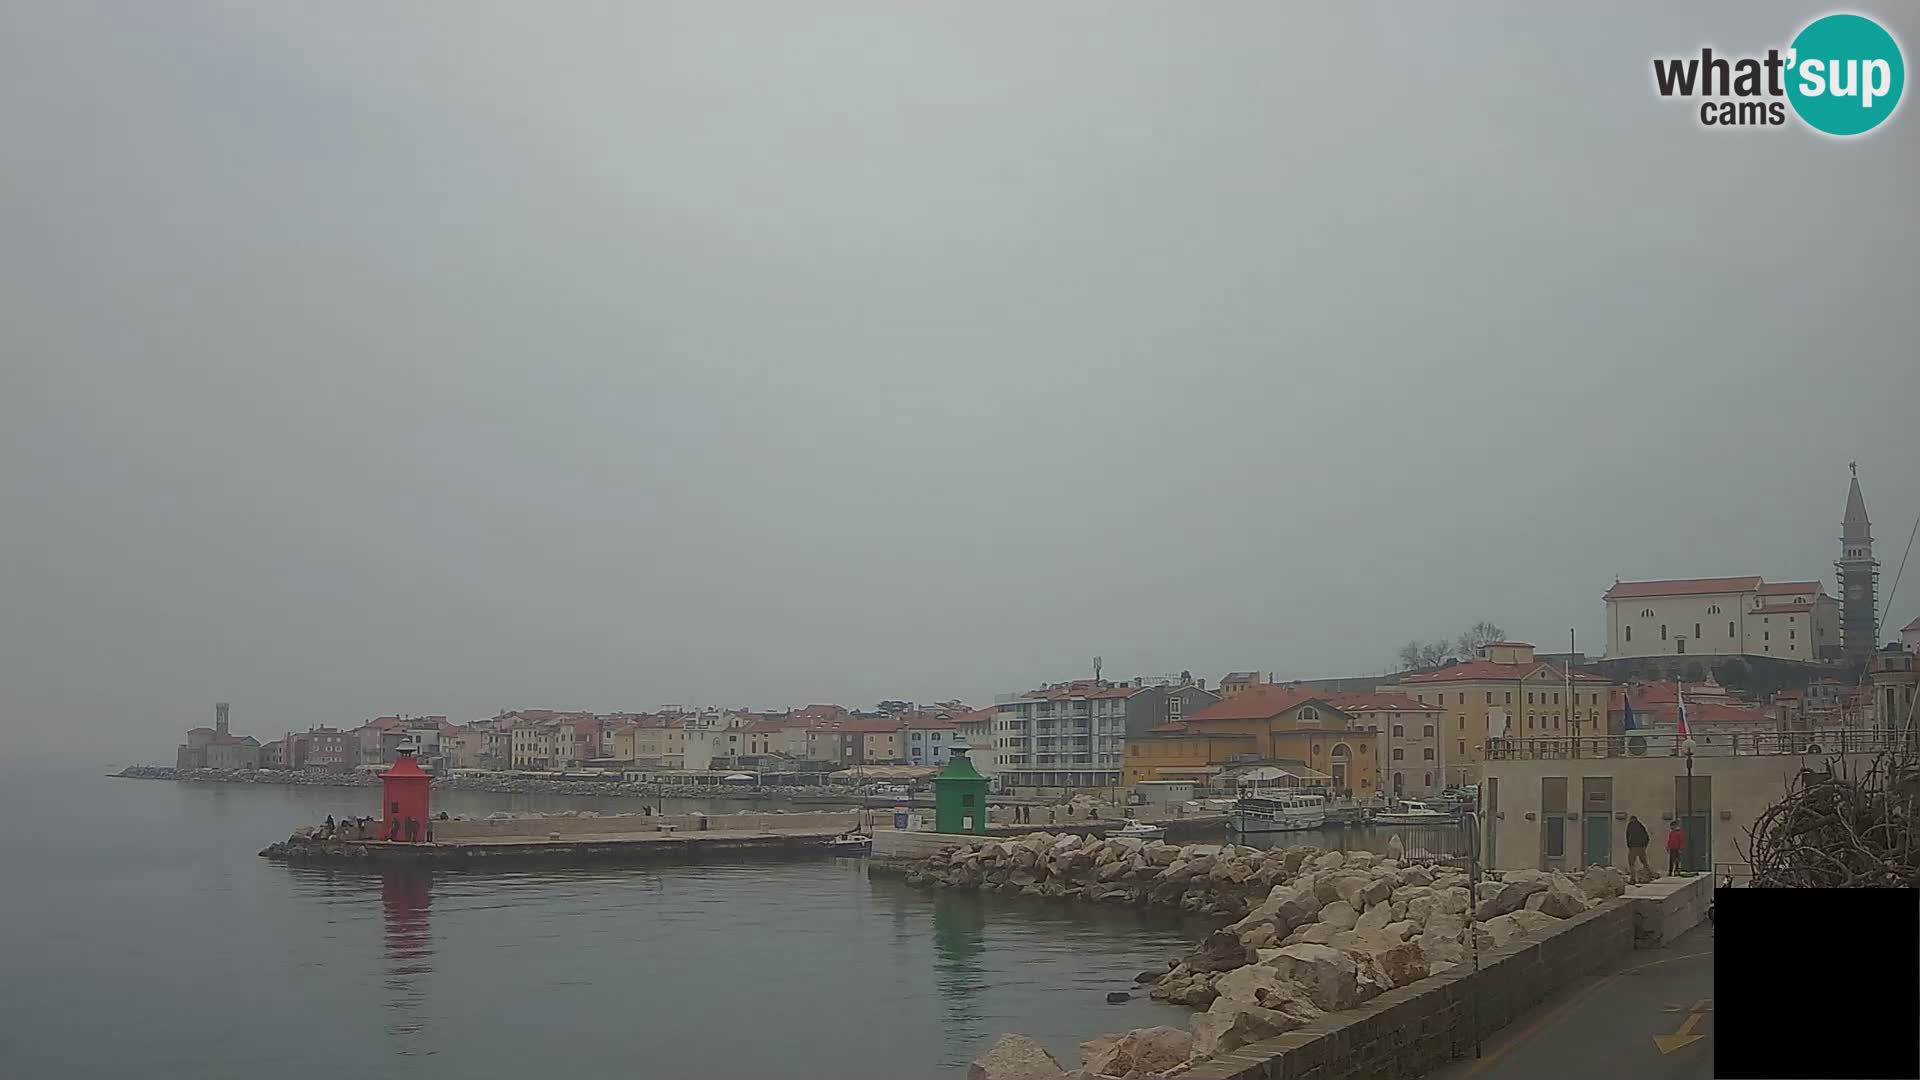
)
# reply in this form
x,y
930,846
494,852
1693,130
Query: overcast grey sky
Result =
x,y
441,357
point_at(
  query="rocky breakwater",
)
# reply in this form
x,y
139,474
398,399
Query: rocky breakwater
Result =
x,y
1208,879
1332,932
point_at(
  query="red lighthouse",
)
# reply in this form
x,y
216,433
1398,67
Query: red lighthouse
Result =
x,y
404,798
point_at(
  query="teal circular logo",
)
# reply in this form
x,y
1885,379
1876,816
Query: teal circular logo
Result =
x,y
1845,74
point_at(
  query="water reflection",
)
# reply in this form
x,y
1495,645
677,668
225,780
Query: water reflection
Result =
x,y
959,973
404,899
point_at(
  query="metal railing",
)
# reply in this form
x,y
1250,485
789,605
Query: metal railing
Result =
x,y
1819,743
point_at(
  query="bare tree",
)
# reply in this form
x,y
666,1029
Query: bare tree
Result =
x,y
1415,655
1477,637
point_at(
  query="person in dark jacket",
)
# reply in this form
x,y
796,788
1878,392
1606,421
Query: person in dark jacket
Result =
x,y
1637,845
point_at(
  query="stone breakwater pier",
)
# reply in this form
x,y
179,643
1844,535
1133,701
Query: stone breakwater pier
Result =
x,y
571,841
1336,964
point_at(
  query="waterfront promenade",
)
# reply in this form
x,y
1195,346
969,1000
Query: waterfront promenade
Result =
x,y
1648,1015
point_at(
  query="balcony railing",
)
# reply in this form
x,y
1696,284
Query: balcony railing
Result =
x,y
1664,744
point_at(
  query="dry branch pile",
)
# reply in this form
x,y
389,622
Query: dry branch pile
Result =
x,y
1842,829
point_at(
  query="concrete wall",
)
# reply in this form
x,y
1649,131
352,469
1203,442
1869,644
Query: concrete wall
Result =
x,y
1416,1029
1738,786
1667,908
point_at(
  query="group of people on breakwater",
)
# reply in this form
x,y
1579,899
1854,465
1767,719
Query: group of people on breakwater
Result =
x,y
408,830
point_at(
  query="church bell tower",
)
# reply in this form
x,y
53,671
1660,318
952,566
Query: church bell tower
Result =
x,y
1858,574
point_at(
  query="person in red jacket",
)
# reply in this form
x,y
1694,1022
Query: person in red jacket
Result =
x,y
1676,843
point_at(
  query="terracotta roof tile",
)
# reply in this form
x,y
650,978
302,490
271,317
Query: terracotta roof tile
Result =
x,y
1258,703
1355,703
1488,671
1624,590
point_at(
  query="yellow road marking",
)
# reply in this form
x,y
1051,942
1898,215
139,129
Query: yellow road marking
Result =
x,y
1684,1037
1527,1032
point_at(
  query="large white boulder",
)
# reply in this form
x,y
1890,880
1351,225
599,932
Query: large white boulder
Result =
x,y
1015,1057
1141,1052
1325,973
1339,915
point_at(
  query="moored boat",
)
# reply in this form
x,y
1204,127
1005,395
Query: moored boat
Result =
x,y
1412,813
1140,830
850,844
1278,813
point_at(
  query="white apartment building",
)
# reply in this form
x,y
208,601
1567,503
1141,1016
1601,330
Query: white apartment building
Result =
x,y
1068,735
1731,616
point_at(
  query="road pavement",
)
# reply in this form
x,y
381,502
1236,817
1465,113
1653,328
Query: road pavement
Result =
x,y
1648,1016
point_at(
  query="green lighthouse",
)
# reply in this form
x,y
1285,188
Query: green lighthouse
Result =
x,y
960,797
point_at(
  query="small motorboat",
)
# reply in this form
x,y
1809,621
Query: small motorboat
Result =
x,y
1413,813
850,844
1140,830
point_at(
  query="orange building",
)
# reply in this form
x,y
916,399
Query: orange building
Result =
x,y
1263,723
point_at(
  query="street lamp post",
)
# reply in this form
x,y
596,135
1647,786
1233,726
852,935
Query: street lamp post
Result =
x,y
1686,828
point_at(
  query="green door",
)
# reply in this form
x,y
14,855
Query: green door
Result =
x,y
1599,848
1699,829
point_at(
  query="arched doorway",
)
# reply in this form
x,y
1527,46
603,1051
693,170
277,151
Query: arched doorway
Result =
x,y
1342,765
1399,783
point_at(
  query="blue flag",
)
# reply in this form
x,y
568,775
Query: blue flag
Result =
x,y
1626,722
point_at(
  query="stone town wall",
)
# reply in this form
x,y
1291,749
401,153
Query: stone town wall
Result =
x,y
1419,1027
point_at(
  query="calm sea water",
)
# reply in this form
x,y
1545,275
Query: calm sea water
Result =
x,y
143,936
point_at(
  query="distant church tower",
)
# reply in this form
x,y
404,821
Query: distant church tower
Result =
x,y
1858,573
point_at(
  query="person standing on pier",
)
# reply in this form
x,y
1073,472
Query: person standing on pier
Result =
x,y
1637,845
1676,843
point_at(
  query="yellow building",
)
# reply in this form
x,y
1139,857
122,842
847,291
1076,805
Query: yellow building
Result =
x,y
1507,693
1264,722
1183,755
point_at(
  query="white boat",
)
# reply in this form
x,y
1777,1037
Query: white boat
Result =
x,y
1413,813
850,844
1278,813
1140,830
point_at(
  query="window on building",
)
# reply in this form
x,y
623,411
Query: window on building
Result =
x,y
1428,754
1646,613
1791,635
1696,630
1429,780
1713,609
1399,754
1463,723
1729,627
1509,700
1399,731
1529,697
1308,714
1663,631
1463,698
1489,697
1629,633
1463,747
1766,635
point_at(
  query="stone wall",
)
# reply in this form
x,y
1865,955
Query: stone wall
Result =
x,y
1419,1027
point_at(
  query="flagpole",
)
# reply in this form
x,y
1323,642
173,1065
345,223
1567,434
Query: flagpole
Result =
x,y
1573,726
